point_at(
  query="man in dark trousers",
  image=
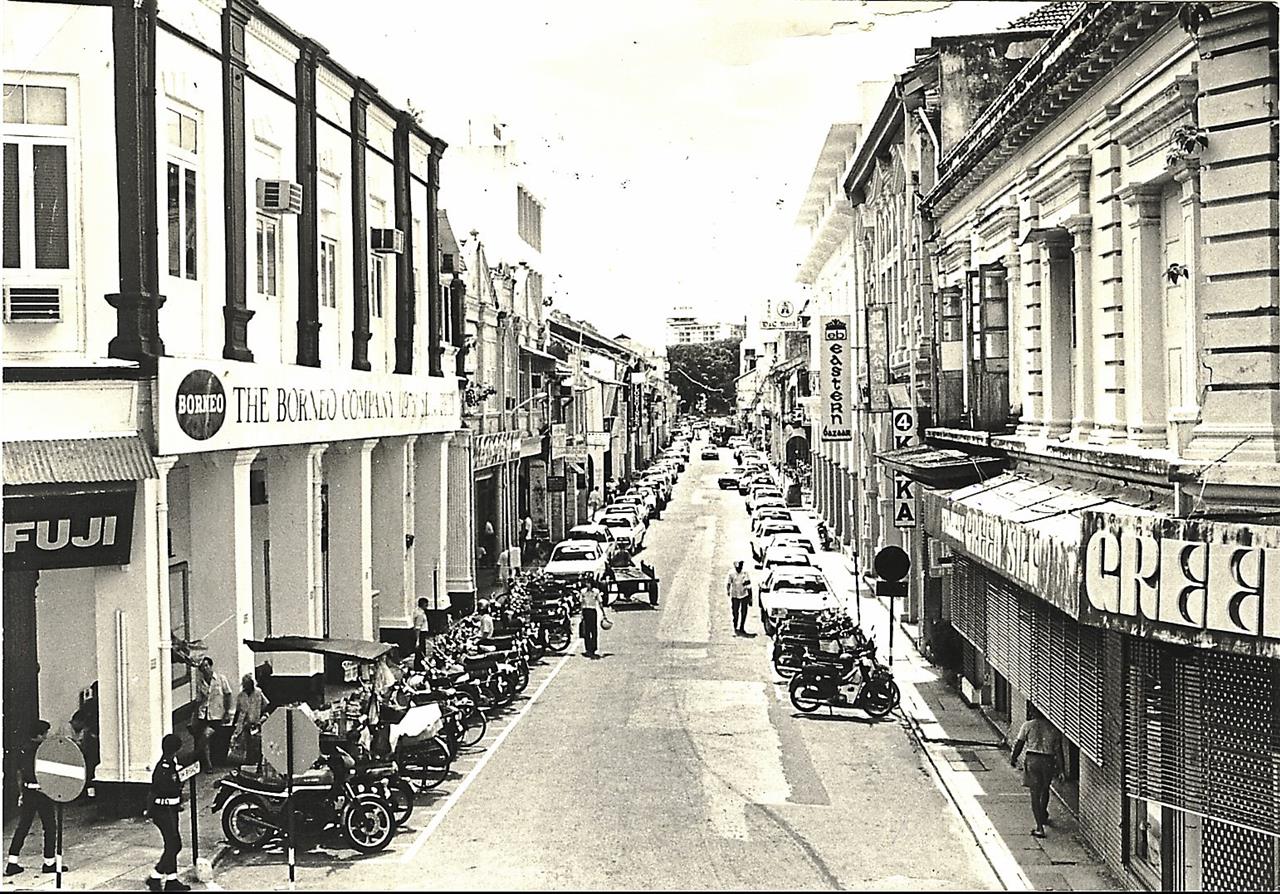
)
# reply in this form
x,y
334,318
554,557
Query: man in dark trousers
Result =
x,y
1046,758
164,802
34,802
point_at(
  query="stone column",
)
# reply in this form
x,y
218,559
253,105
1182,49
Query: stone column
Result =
x,y
222,560
349,474
1144,361
431,520
1084,380
1029,342
1185,412
391,468
1055,335
461,578
293,485
132,619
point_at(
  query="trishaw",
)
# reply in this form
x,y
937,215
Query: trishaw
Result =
x,y
633,583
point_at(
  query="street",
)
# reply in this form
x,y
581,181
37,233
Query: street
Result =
x,y
673,762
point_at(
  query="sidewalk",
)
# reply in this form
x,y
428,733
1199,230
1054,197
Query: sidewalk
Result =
x,y
970,762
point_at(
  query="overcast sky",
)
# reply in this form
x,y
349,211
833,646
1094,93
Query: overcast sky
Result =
x,y
674,139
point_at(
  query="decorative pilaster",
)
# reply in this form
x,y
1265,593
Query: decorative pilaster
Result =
x,y
1145,373
1185,410
360,333
1056,332
235,311
309,219
435,311
405,306
138,303
1084,380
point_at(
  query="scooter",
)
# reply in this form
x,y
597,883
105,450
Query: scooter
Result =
x,y
835,683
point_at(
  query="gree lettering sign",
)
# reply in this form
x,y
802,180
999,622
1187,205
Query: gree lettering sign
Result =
x,y
1209,579
81,530
836,379
230,405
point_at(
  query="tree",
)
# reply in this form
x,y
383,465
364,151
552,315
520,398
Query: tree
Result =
x,y
707,371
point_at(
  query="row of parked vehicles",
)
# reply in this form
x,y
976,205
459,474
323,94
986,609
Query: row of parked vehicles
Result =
x,y
826,657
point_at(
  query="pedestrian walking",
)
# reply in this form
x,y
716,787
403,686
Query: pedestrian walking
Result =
x,y
164,803
1046,758
592,599
504,570
34,803
246,738
526,539
215,702
738,587
421,628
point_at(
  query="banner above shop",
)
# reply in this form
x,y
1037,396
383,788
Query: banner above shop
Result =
x,y
495,449
85,529
1203,583
226,405
836,382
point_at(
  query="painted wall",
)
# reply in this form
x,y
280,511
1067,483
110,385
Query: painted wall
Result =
x,y
66,622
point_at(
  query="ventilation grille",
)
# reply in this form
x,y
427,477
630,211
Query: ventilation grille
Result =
x,y
279,196
32,304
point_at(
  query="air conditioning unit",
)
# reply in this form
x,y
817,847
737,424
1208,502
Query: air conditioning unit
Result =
x,y
32,304
386,241
279,196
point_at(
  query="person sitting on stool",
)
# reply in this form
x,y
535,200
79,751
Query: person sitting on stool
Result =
x,y
34,801
165,802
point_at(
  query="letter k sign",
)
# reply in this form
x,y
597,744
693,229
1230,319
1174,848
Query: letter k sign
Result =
x,y
902,488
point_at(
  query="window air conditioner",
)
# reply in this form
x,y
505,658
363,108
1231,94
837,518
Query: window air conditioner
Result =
x,y
386,241
32,304
279,196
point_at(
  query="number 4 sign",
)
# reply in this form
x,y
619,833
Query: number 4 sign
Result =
x,y
904,428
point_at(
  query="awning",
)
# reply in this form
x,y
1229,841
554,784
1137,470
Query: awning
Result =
x,y
942,467
576,466
77,460
540,355
1028,530
361,649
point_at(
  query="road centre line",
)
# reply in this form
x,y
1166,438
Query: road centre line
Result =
x,y
425,834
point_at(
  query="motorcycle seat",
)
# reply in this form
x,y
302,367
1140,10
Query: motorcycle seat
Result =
x,y
501,643
479,663
378,769
438,695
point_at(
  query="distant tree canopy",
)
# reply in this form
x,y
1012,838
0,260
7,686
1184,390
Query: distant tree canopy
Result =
x,y
707,371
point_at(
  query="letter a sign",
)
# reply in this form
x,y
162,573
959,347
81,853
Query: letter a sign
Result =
x,y
904,501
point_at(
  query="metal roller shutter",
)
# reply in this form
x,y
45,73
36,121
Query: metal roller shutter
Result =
x,y
968,604
1203,733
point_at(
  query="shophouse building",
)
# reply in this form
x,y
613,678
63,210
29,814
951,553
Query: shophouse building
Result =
x,y
230,393
1104,279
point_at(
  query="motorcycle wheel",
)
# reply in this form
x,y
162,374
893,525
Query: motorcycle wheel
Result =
x,y
503,690
558,638
401,801
800,690
536,649
474,726
430,767
243,822
879,697
783,670
522,679
368,824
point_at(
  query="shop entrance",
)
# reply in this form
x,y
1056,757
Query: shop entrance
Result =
x,y
21,671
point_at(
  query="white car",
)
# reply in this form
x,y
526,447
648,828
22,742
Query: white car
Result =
x,y
627,529
785,554
789,591
791,541
765,533
770,513
642,501
599,533
578,559
768,500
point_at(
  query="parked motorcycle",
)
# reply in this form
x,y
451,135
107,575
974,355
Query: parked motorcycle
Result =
x,y
833,682
797,641
255,808
825,540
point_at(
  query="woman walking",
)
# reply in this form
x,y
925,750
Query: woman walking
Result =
x,y
1045,759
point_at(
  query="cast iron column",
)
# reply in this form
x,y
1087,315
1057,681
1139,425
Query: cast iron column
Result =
x,y
309,220
360,334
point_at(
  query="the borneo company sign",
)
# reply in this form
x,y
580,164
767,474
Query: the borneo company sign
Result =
x,y
234,405
836,379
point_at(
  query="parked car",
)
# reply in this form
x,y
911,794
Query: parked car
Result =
x,y
777,554
770,513
752,479
644,500
599,533
764,535
710,453
792,541
767,501
574,560
727,480
789,591
627,528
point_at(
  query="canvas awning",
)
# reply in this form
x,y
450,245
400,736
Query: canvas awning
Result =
x,y
942,467
360,649
539,355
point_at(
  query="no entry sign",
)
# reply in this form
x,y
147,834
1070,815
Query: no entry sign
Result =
x,y
60,769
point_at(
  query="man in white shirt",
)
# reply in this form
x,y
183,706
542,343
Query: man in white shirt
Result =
x,y
592,599
421,630
214,701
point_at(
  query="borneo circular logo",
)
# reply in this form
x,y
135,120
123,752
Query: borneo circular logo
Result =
x,y
201,405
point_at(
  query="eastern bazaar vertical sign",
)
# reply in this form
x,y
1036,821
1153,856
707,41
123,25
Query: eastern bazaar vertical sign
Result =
x,y
836,371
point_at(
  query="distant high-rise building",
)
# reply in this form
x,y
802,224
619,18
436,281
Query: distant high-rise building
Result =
x,y
683,328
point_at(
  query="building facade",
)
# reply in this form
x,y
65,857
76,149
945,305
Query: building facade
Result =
x,y
212,394
683,328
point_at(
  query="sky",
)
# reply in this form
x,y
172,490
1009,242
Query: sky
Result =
x,y
672,140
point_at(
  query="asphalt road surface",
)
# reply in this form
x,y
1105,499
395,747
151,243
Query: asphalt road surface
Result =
x,y
674,761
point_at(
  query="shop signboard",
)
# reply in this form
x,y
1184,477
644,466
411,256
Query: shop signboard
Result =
x,y
836,378
598,440
878,358
90,528
495,449
904,500
207,405
1042,565
783,316
1204,583
556,484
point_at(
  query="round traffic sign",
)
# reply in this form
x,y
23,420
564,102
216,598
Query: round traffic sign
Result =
x,y
60,769
891,563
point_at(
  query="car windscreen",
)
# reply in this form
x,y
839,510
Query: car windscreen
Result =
x,y
778,528
616,521
584,534
574,552
803,583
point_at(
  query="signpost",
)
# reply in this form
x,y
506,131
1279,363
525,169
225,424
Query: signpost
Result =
x,y
290,739
61,773
891,565
188,774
